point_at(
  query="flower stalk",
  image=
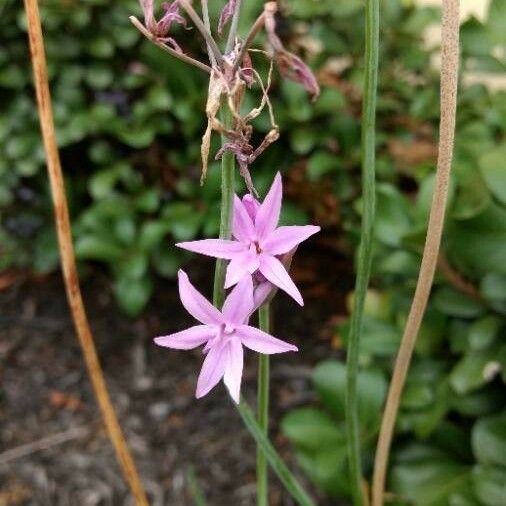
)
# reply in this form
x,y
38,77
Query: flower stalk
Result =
x,y
365,247
279,467
263,409
449,81
256,428
227,203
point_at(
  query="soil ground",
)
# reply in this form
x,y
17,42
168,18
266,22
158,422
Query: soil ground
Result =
x,y
44,392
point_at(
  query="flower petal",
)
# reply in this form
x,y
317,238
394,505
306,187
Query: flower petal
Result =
x,y
251,205
242,224
239,304
187,339
261,342
217,248
284,239
196,304
240,267
233,368
268,214
275,272
212,370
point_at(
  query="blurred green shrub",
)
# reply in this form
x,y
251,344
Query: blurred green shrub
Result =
x,y
129,123
451,432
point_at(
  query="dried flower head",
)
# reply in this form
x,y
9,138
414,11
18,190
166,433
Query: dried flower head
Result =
x,y
290,66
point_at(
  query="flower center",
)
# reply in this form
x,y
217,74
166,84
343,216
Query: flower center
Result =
x,y
228,328
257,247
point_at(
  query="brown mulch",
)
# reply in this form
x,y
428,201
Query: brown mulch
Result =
x,y
46,401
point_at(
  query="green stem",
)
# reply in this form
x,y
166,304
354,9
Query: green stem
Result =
x,y
227,202
263,410
194,487
272,456
276,462
365,248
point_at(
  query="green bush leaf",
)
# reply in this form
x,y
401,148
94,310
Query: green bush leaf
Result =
x,y
451,302
328,469
493,168
489,484
92,247
392,215
473,371
329,378
151,234
489,440
132,295
429,481
483,331
310,429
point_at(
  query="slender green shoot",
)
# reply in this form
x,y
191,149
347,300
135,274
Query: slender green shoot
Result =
x,y
365,248
279,467
263,410
194,487
227,203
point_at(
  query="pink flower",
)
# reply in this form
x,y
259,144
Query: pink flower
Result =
x,y
258,243
224,333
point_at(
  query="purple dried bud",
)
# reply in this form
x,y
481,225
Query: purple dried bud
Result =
x,y
147,7
290,65
247,69
171,16
270,9
293,68
226,14
161,28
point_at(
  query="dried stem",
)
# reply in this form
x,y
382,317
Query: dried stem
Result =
x,y
164,47
43,444
67,254
207,24
257,26
211,43
449,79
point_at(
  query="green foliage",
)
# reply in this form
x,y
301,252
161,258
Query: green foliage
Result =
x,y
129,121
449,447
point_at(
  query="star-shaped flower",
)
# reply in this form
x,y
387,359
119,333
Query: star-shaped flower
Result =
x,y
224,333
258,243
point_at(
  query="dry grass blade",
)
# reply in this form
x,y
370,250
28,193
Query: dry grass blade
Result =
x,y
67,254
449,79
